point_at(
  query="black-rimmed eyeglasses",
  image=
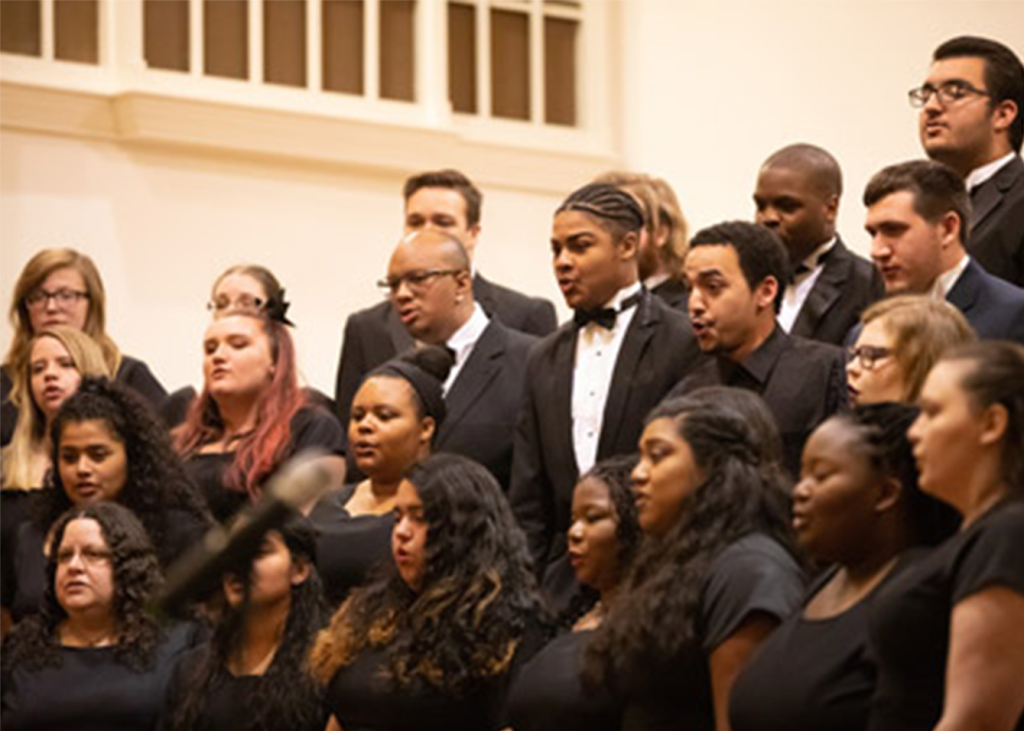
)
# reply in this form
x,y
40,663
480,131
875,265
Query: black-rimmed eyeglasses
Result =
x,y
868,355
417,282
949,93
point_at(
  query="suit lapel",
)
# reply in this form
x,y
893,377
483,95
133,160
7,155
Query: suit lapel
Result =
x,y
965,291
483,293
824,293
400,337
563,363
989,194
633,347
476,375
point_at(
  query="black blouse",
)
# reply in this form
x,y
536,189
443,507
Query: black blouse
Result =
x,y
909,623
348,546
311,427
548,694
753,575
812,673
92,691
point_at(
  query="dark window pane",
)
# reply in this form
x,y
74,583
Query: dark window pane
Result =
x,y
166,34
510,65
284,42
76,30
397,49
226,38
462,57
560,71
342,23
20,27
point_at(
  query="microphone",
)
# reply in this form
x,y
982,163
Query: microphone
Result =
x,y
300,480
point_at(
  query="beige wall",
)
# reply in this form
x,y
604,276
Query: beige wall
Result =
x,y
710,88
716,87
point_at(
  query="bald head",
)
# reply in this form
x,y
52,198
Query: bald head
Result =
x,y
431,286
797,196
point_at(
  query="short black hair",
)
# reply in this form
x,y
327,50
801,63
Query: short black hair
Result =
x,y
760,251
1004,74
452,180
937,190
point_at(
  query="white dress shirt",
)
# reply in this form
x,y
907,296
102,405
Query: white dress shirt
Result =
x,y
979,175
796,292
463,341
597,350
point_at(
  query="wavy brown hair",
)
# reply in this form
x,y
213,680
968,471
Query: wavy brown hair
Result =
x,y
478,595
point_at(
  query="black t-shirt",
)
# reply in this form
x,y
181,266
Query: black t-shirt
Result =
x,y
311,427
16,508
812,673
229,700
348,546
548,694
909,622
753,575
92,691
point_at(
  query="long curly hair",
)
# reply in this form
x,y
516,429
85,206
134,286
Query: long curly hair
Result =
x,y
156,479
655,617
262,451
35,642
286,695
478,594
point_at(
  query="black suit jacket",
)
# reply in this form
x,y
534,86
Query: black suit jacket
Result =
x,y
658,349
994,308
846,286
483,402
996,238
673,293
376,335
802,381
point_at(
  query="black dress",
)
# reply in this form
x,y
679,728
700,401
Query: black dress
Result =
x,y
909,623
548,694
755,574
310,427
92,691
16,508
348,546
812,673
229,700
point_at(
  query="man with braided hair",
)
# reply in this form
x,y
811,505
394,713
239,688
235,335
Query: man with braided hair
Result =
x,y
590,384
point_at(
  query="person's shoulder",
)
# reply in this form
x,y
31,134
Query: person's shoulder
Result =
x,y
373,313
815,350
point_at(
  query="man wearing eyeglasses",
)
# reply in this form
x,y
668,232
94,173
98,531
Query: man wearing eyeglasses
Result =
x,y
917,219
445,201
430,290
972,119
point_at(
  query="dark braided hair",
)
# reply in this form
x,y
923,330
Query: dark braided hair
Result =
x,y
156,479
286,696
655,619
615,210
883,429
477,599
35,642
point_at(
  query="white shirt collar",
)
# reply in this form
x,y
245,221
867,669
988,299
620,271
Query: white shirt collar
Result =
x,y
655,279
948,279
466,336
811,262
615,303
979,175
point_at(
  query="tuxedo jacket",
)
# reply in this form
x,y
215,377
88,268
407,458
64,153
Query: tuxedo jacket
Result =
x,y
376,335
994,307
802,381
673,293
996,238
846,286
483,403
658,349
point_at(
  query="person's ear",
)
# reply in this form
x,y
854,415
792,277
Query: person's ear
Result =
x,y
301,569
995,421
427,427
889,493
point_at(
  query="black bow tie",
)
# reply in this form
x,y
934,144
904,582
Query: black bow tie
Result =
x,y
606,316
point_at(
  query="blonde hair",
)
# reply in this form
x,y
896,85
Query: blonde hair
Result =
x,y
922,331
35,272
30,430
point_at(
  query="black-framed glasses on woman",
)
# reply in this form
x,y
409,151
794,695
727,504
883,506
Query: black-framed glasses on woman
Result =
x,y
868,355
64,298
